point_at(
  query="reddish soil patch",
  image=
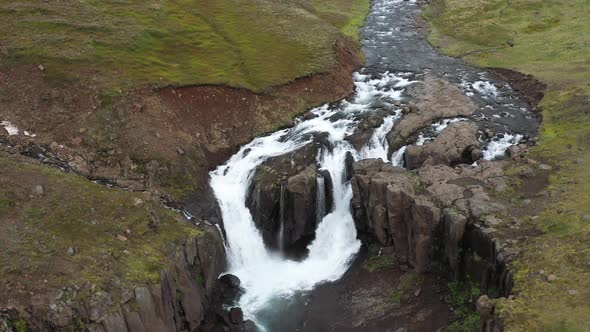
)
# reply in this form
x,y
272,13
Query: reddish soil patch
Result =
x,y
160,138
228,117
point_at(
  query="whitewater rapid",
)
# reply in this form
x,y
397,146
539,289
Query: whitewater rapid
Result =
x,y
266,275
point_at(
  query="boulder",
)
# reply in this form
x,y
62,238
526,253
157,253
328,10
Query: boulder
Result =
x,y
456,144
236,316
434,99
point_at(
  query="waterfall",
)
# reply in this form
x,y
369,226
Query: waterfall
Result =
x,y
266,276
397,158
378,145
320,198
281,234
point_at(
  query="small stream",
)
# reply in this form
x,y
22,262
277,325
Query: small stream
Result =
x,y
396,58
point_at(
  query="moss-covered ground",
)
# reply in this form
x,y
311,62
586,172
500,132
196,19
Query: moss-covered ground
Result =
x,y
550,40
252,43
78,233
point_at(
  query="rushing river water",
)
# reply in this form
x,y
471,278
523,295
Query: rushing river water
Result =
x,y
268,278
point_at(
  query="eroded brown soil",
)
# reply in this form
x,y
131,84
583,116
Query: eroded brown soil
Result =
x,y
158,138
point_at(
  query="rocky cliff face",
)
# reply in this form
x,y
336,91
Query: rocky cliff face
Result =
x,y
186,295
438,218
177,302
283,197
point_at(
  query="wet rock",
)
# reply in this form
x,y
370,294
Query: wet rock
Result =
x,y
309,115
249,326
230,280
301,190
363,133
283,190
454,226
435,99
289,124
517,151
456,144
386,205
348,161
476,154
236,316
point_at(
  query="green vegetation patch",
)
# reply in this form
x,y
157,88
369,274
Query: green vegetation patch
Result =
x,y
80,233
463,295
407,285
253,44
549,39
375,263
346,15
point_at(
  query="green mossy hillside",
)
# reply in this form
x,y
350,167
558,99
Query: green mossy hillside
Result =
x,y
75,232
252,44
346,15
549,39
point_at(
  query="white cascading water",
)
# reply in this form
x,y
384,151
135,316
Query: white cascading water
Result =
x,y
266,275
496,149
320,201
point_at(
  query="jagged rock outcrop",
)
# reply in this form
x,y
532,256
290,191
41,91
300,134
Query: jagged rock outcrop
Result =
x,y
456,144
364,131
385,197
438,217
179,301
434,99
284,191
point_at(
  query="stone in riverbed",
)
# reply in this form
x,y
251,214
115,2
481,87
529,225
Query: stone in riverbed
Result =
x,y
230,280
456,144
309,115
434,99
236,316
